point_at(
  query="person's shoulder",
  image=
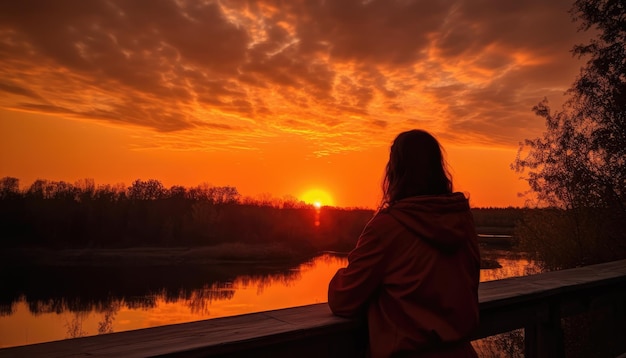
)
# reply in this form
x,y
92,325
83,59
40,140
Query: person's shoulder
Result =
x,y
382,219
376,231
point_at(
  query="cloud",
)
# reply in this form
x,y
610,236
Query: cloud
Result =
x,y
468,70
18,90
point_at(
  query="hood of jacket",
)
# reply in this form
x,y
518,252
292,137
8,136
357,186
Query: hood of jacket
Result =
x,y
442,220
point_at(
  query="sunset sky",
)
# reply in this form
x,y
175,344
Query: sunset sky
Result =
x,y
277,97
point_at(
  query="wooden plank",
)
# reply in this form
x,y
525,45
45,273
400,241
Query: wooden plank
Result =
x,y
514,289
509,301
222,334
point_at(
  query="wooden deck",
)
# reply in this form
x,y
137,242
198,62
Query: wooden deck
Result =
x,y
534,303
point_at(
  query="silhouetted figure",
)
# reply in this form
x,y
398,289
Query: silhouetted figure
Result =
x,y
415,269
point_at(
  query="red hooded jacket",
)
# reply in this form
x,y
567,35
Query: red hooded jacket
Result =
x,y
415,273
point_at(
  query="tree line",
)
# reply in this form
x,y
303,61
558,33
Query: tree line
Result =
x,y
58,214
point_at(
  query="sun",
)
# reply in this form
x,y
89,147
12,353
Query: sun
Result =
x,y
317,198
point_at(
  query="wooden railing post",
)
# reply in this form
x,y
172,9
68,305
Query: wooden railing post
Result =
x,y
620,315
544,337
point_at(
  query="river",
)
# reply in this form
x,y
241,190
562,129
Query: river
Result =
x,y
55,304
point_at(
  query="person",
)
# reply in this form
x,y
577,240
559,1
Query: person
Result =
x,y
415,269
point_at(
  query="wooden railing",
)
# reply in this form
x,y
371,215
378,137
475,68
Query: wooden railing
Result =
x,y
534,303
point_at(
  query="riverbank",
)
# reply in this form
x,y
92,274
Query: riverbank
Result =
x,y
227,253
152,256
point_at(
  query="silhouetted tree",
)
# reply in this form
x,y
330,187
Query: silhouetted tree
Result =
x,y
108,193
224,195
86,189
150,189
579,165
9,187
201,192
39,189
291,202
177,192
62,190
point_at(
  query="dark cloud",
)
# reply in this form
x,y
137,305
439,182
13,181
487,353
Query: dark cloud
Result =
x,y
379,123
472,66
19,90
44,108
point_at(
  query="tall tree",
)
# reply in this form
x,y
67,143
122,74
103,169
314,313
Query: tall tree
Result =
x,y
579,164
599,94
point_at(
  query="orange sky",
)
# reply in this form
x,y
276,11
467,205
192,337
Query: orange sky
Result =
x,y
276,97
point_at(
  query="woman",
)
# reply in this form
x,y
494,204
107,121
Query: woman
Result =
x,y
415,269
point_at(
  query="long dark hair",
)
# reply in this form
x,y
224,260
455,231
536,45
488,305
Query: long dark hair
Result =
x,y
416,167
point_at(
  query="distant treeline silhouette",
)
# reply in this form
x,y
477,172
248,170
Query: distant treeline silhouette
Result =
x,y
57,214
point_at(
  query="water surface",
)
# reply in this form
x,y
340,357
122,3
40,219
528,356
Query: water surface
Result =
x,y
45,305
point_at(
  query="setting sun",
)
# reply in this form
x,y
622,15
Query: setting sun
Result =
x,y
317,198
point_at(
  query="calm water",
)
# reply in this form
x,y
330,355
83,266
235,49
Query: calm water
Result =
x,y
38,306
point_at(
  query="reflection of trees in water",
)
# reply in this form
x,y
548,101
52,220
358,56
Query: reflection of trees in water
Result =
x,y
334,259
106,290
70,304
74,328
106,325
7,309
140,301
201,299
286,278
58,306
